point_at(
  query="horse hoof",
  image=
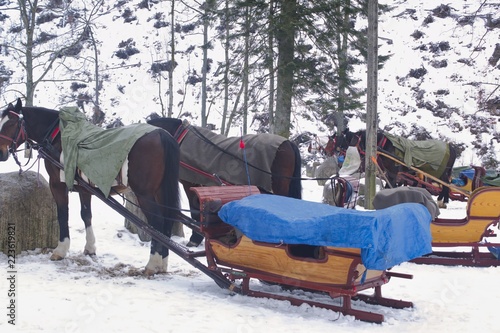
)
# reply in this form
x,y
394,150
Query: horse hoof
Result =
x,y
151,272
88,253
441,204
192,244
56,257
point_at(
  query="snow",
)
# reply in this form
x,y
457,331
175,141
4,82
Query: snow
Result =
x,y
108,293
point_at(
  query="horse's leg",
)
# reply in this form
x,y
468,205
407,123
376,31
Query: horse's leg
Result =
x,y
194,206
60,194
153,170
158,258
86,214
444,195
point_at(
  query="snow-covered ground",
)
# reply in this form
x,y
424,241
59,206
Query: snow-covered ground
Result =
x,y
108,293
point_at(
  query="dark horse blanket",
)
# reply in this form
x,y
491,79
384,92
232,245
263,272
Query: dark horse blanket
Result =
x,y
430,156
217,154
97,152
393,196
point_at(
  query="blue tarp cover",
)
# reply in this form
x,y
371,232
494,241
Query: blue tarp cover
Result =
x,y
386,237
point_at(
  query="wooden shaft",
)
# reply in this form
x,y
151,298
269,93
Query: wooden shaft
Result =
x,y
374,160
454,188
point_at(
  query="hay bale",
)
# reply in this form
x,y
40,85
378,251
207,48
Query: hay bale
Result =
x,y
28,212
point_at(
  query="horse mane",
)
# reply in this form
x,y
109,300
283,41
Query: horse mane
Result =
x,y
169,124
18,107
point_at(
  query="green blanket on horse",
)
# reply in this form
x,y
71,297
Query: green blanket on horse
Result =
x,y
97,152
430,156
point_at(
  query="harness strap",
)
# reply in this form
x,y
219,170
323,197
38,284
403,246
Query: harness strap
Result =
x,y
179,135
52,133
381,143
181,132
206,174
360,150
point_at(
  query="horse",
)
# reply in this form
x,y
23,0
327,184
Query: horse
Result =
x,y
421,155
153,172
268,161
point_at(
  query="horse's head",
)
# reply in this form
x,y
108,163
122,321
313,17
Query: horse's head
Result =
x,y
12,133
339,142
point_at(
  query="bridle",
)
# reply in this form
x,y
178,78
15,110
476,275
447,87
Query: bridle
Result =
x,y
337,145
19,136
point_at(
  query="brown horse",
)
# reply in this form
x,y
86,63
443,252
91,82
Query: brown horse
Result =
x,y
270,162
440,167
153,173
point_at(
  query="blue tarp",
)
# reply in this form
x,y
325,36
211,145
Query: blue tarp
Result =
x,y
386,237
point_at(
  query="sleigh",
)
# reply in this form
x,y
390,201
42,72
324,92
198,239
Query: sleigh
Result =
x,y
469,241
340,272
476,232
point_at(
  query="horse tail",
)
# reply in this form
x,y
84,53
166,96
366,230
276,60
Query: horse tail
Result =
x,y
295,189
444,195
170,183
451,161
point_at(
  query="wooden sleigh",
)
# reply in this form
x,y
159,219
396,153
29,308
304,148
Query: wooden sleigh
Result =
x,y
336,272
473,232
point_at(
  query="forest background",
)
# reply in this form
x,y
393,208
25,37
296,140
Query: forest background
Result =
x,y
261,66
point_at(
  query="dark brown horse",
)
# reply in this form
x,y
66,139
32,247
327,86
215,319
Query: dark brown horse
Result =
x,y
440,166
267,161
153,173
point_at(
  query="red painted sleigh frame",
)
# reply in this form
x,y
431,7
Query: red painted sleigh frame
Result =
x,y
336,272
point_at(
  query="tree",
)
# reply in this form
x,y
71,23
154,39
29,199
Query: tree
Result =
x,y
286,68
97,113
172,61
371,111
39,49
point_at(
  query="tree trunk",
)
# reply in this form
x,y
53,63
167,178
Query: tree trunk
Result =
x,y
245,71
170,111
204,71
270,45
28,15
225,109
286,68
342,46
371,106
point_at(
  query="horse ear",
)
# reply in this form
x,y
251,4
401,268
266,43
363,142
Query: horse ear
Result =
x,y
19,105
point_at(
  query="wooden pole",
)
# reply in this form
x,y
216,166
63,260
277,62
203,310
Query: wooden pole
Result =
x,y
454,188
371,103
